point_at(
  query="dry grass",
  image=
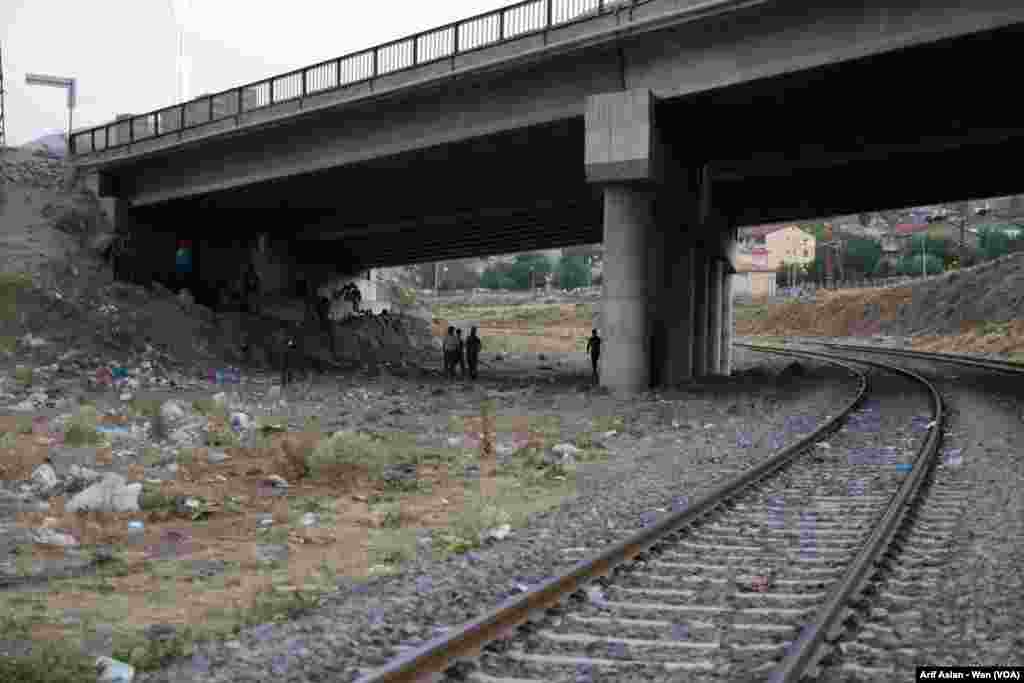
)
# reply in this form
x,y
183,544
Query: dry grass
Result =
x,y
835,314
978,337
523,328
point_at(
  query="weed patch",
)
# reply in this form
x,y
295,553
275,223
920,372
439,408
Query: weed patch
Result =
x,y
467,530
390,548
81,428
24,375
47,663
608,423
374,452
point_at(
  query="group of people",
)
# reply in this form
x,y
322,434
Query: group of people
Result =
x,y
459,352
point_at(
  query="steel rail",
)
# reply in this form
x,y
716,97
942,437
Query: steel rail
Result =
x,y
806,651
467,641
982,363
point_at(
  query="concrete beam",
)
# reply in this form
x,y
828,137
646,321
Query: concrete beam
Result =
x,y
620,143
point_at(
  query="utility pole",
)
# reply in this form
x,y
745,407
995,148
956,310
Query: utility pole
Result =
x,y
964,218
924,252
3,132
57,82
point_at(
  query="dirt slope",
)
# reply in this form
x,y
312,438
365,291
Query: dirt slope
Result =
x,y
976,309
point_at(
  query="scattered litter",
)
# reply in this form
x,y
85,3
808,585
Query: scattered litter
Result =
x,y
32,341
310,519
112,671
276,481
46,536
500,533
114,429
596,595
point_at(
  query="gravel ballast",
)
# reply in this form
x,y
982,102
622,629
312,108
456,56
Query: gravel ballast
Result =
x,y
970,610
677,444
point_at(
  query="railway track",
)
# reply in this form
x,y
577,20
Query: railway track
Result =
x,y
1003,367
757,581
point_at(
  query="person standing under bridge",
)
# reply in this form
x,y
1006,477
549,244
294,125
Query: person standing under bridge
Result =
x,y
461,357
450,347
323,313
473,345
183,263
250,288
594,349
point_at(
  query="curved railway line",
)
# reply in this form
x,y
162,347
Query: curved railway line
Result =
x,y
726,589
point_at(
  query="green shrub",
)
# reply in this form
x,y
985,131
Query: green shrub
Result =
x,y
24,424
469,526
152,498
11,284
406,296
81,428
221,436
24,375
349,448
391,515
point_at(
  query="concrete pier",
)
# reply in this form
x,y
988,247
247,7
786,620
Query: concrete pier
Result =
x,y
678,296
701,317
728,322
628,218
717,282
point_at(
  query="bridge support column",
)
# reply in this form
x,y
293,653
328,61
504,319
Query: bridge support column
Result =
x,y
727,324
623,153
628,218
677,297
701,314
717,282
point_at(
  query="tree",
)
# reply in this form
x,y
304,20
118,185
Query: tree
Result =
x,y
910,264
863,255
524,264
494,278
993,242
573,272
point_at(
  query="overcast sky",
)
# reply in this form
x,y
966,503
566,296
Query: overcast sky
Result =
x,y
124,52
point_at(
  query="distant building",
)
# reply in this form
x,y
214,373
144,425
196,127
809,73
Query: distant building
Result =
x,y
784,243
754,282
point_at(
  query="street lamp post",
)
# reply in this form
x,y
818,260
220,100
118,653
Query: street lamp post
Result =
x,y
58,82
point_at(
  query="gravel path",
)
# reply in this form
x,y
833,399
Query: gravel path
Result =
x,y
721,428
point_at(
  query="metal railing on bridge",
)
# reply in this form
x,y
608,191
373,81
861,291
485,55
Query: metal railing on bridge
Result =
x,y
513,22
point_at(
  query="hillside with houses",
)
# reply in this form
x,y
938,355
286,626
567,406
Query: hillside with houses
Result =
x,y
910,242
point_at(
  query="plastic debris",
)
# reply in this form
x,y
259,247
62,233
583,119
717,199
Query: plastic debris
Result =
x,y
112,671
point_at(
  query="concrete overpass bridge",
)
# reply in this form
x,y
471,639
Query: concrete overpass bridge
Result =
x,y
658,127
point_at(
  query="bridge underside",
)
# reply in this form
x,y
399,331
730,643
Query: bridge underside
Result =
x,y
882,132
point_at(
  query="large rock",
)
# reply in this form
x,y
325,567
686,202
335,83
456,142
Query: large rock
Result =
x,y
44,478
79,478
172,413
63,458
110,494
